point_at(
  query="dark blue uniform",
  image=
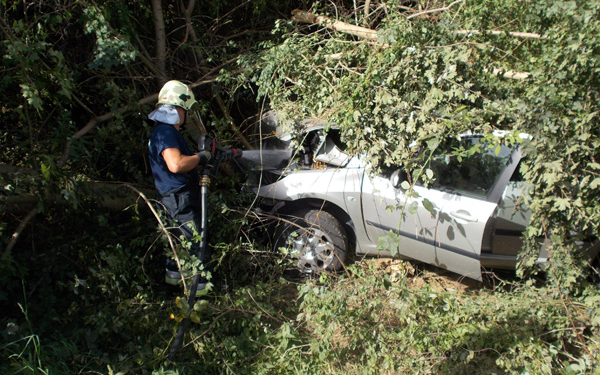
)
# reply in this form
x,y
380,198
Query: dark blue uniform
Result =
x,y
166,136
178,193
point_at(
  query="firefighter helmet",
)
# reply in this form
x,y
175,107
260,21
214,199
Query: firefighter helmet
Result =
x,y
177,94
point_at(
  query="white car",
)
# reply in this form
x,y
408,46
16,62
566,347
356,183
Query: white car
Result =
x,y
331,206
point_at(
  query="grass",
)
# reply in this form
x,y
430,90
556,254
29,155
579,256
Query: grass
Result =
x,y
383,317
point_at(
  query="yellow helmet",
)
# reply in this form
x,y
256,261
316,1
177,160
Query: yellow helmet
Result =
x,y
178,94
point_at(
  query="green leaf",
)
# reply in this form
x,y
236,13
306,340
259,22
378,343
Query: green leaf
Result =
x,y
433,143
562,204
200,305
428,205
194,317
413,207
429,173
497,150
32,95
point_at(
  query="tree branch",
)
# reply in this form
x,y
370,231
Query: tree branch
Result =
x,y
108,195
307,17
433,10
200,60
511,74
97,120
234,129
161,39
516,34
367,12
15,236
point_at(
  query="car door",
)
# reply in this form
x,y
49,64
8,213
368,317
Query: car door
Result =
x,y
443,224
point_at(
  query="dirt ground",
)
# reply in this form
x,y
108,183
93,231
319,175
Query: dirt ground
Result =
x,y
419,274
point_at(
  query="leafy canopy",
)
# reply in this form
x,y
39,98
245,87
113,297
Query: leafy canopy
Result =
x,y
438,74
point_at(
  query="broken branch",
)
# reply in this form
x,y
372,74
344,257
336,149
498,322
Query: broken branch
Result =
x,y
433,10
307,17
516,34
15,236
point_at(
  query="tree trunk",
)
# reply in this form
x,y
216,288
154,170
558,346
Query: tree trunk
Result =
x,y
161,39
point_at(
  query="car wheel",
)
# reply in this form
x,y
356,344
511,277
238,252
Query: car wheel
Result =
x,y
315,239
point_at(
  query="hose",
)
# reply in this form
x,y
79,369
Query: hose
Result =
x,y
204,182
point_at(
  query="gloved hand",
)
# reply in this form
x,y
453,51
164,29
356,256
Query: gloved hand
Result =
x,y
204,157
206,147
206,143
210,150
228,153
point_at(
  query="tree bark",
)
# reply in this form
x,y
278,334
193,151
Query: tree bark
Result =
x,y
234,129
307,17
161,39
516,34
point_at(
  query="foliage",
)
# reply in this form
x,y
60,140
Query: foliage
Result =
x,y
423,80
75,81
379,322
101,305
82,289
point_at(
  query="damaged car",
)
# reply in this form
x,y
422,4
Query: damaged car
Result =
x,y
330,205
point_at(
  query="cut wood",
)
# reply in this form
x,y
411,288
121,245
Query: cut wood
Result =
x,y
516,34
511,74
307,17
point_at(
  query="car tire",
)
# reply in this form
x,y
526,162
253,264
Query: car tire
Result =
x,y
315,239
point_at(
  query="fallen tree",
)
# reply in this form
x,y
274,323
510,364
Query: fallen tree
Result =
x,y
420,75
364,33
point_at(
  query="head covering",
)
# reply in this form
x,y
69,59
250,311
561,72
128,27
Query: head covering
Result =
x,y
165,113
177,94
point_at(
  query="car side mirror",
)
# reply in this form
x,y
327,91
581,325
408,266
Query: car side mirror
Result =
x,y
398,176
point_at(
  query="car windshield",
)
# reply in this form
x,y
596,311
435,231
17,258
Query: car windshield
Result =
x,y
469,165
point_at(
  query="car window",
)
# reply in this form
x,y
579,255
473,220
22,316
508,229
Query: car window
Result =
x,y
517,176
456,167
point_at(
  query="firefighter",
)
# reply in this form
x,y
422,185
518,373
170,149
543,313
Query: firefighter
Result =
x,y
175,172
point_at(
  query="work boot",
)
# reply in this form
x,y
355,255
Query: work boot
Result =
x,y
172,275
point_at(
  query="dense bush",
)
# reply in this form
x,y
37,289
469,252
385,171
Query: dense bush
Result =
x,y
82,283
